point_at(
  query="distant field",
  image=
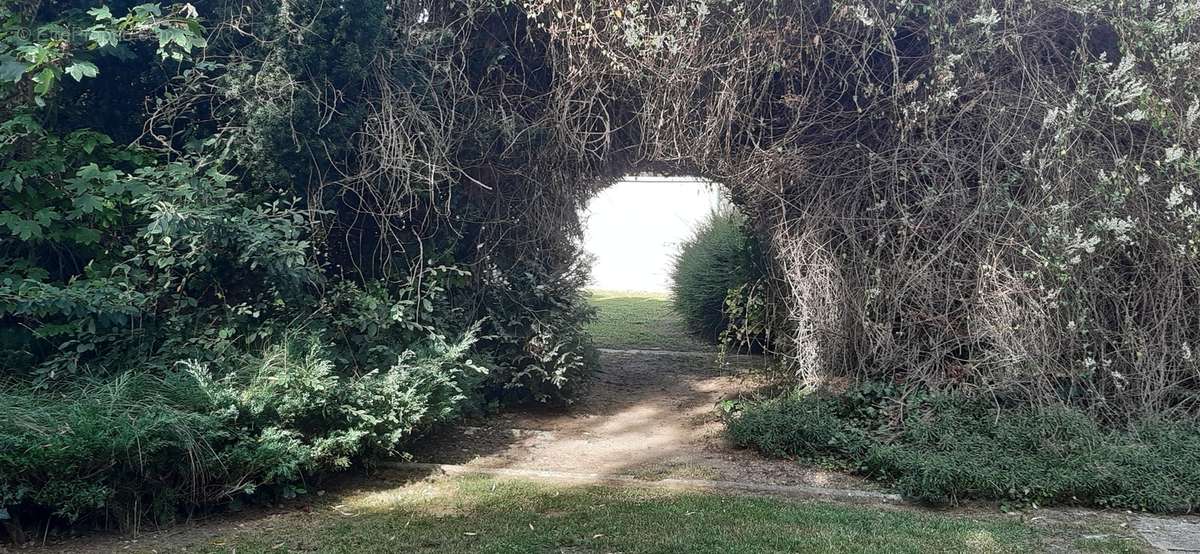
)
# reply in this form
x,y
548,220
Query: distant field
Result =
x,y
640,320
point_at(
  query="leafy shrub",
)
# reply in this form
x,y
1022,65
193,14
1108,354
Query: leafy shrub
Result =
x,y
534,331
943,449
109,252
717,258
747,324
795,426
146,445
206,296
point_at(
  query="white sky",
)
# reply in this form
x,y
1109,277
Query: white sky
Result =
x,y
634,228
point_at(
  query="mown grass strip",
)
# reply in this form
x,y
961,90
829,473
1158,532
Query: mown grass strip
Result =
x,y
489,515
795,491
640,321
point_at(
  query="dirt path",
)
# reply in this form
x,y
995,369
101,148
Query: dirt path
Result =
x,y
652,415
646,414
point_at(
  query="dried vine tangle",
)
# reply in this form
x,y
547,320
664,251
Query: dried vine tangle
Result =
x,y
994,196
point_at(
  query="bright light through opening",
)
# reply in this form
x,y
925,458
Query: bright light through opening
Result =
x,y
634,228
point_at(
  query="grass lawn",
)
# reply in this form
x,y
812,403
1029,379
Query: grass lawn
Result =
x,y
482,514
640,320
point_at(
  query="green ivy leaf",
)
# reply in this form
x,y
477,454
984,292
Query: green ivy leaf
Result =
x,y
101,14
46,216
103,38
90,141
79,70
12,180
147,10
24,229
11,69
44,81
88,203
89,172
171,35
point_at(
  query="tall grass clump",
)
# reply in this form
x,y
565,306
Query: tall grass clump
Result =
x,y
717,258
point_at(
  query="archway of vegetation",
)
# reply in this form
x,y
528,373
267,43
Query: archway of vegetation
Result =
x,y
306,231
959,195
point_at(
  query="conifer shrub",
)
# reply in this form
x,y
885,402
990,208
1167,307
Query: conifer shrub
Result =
x,y
718,258
145,446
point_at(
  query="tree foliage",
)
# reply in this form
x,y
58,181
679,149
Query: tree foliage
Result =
x,y
178,282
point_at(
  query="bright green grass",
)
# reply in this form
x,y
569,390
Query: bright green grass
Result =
x,y
640,320
479,514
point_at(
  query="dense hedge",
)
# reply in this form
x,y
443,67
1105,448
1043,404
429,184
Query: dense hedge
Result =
x,y
718,257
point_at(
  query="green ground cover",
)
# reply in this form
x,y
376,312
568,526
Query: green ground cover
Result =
x,y
943,449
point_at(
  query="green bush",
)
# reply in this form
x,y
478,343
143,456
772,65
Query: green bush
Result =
x,y
534,332
717,258
808,426
197,317
144,446
944,449
747,325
